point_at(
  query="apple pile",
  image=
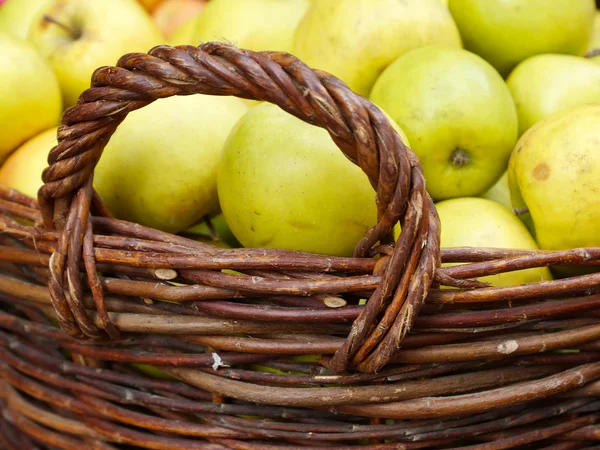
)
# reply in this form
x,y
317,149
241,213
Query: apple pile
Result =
x,y
499,99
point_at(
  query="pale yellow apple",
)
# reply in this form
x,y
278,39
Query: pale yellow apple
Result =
x,y
545,84
78,36
23,168
505,32
250,24
283,183
554,172
594,43
171,14
16,16
356,39
458,115
499,192
479,222
29,94
159,168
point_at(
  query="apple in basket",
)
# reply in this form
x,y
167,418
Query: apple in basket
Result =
x,y
160,167
457,113
23,169
545,84
554,179
250,24
171,14
283,183
16,16
505,33
29,94
78,36
479,222
356,39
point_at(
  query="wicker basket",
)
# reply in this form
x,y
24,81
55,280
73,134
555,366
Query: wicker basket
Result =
x,y
482,367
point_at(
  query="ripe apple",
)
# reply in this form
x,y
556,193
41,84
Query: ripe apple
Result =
x,y
499,192
283,183
356,39
16,16
160,167
252,24
182,35
78,36
214,229
505,32
479,222
149,5
29,94
171,14
457,113
545,84
554,173
23,168
594,43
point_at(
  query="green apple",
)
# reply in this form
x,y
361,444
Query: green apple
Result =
x,y
545,84
554,174
250,24
457,113
160,167
78,36
214,229
16,16
505,32
23,169
283,183
479,222
356,39
29,94
499,192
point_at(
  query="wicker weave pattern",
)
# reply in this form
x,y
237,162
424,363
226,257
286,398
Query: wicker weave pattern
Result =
x,y
482,367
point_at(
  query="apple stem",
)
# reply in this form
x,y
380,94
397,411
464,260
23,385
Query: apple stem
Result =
x,y
74,33
592,53
520,211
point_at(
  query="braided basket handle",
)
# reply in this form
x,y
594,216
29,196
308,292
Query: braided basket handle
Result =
x,y
358,128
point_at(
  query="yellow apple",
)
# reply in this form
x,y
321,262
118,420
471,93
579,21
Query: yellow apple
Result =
x,y
159,168
78,36
479,222
554,174
23,168
499,192
457,113
545,84
251,24
505,32
283,183
356,39
16,16
171,14
29,94
594,43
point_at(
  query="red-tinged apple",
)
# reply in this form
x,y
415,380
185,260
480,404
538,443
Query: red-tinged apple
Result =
x,y
171,14
23,168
